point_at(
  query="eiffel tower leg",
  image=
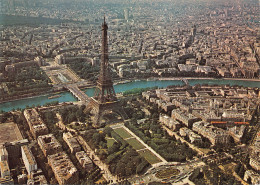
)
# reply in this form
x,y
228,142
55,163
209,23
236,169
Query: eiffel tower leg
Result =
x,y
101,113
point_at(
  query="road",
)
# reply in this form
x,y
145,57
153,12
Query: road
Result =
x,y
185,169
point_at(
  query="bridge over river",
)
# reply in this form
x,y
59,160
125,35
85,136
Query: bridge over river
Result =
x,y
80,95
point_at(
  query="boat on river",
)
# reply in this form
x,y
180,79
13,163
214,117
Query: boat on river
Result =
x,y
55,96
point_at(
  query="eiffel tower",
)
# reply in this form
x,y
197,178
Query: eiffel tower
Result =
x,y
104,100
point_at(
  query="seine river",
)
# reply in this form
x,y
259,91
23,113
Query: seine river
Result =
x,y
66,96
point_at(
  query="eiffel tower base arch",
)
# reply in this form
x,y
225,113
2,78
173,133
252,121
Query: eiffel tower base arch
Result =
x,y
101,109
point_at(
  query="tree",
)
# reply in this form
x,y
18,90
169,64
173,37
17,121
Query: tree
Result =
x,y
130,169
102,144
141,166
241,171
194,174
102,155
96,138
120,169
107,131
71,117
147,133
237,168
114,148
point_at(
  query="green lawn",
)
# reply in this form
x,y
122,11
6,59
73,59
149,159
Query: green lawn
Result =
x,y
135,144
149,156
123,133
110,141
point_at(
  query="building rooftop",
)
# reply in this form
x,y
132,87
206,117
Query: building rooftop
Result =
x,y
29,155
209,128
62,165
49,141
9,132
83,157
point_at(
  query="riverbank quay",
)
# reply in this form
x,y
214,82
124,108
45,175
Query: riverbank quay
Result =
x,y
121,87
56,90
